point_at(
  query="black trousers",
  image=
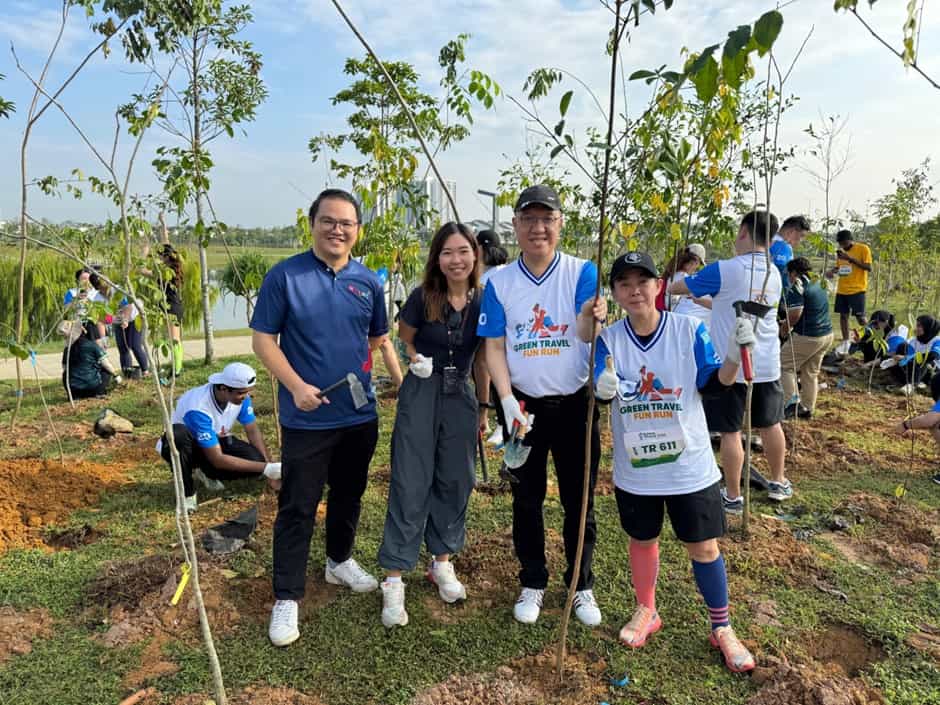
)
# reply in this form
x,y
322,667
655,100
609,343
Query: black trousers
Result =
x,y
129,340
86,393
912,373
310,459
559,428
192,456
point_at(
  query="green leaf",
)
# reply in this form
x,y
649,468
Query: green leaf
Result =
x,y
18,350
706,80
642,73
766,31
565,102
556,151
734,56
560,127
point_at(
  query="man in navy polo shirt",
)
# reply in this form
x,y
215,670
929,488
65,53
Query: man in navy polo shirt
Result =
x,y
319,315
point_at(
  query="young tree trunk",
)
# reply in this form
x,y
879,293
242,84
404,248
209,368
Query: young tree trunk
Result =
x,y
203,258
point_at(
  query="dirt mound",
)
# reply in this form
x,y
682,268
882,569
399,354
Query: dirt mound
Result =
x,y
810,683
18,630
846,648
531,680
72,537
255,695
132,599
901,535
35,493
770,544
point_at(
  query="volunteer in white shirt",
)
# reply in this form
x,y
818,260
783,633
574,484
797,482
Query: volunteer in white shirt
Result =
x,y
202,424
663,459
746,277
536,314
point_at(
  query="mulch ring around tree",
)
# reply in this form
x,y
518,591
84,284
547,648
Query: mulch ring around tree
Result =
x,y
36,493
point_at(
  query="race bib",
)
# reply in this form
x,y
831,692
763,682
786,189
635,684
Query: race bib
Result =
x,y
845,270
654,446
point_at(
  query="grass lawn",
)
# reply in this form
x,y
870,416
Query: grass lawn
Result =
x,y
836,592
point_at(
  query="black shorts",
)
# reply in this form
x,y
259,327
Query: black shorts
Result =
x,y
851,303
174,304
725,411
695,517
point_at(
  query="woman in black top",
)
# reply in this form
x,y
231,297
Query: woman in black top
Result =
x,y
174,302
436,427
86,369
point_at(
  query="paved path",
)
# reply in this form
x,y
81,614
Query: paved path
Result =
x,y
50,364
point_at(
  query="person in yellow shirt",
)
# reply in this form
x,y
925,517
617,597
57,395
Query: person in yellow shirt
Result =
x,y
853,263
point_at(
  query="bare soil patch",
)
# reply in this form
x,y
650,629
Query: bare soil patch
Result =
x,y
35,493
18,630
72,537
531,680
256,695
770,543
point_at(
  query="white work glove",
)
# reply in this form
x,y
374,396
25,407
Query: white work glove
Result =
x,y
741,334
422,366
607,383
118,379
512,412
272,471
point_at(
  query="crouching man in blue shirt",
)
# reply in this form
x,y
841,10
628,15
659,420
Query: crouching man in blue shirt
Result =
x,y
318,317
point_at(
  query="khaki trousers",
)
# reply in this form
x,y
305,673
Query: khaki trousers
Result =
x,y
802,355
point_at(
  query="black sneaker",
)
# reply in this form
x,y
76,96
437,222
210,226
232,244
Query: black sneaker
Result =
x,y
790,411
936,478
804,413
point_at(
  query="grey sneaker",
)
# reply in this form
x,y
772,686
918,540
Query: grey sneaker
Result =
x,y
779,491
732,506
209,483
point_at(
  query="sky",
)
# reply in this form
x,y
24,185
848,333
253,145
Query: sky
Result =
x,y
262,176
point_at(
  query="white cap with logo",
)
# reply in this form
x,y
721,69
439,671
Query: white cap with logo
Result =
x,y
236,375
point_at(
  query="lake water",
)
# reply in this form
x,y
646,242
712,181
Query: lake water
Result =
x,y
229,312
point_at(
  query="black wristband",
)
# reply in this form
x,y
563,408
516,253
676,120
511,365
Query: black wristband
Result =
x,y
485,405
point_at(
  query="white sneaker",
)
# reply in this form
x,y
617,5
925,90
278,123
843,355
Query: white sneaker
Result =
x,y
448,587
189,503
843,349
586,609
528,605
283,627
907,390
496,437
209,483
393,604
349,573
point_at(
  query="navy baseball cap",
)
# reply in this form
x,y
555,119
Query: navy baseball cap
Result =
x,y
632,260
540,195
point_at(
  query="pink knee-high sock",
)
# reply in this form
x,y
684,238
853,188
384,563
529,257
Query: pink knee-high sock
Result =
x,y
644,567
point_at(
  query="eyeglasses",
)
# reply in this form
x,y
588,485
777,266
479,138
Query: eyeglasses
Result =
x,y
328,224
530,221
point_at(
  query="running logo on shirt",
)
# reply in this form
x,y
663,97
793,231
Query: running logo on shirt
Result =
x,y
648,398
540,335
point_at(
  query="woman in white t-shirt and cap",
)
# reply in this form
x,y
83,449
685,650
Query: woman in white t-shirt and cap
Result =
x,y
688,262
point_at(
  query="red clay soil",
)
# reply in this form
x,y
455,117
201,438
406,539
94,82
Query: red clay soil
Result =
x,y
35,493
18,630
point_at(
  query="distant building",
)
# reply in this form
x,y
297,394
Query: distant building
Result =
x,y
433,204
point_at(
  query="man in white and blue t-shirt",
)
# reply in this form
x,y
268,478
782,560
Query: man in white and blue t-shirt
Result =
x,y
536,315
319,316
202,432
747,277
786,241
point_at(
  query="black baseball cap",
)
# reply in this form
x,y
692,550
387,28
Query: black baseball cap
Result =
x,y
488,238
541,195
632,260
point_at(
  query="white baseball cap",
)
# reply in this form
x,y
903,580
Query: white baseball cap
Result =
x,y
697,250
236,375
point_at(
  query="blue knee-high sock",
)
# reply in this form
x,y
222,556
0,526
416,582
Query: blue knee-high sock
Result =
x,y
712,581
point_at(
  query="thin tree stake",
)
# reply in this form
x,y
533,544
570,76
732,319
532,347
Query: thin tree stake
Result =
x,y
586,484
404,105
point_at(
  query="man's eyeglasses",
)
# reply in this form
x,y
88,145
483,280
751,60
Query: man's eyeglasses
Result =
x,y
328,223
530,221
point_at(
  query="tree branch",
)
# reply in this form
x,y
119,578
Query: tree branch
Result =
x,y
894,51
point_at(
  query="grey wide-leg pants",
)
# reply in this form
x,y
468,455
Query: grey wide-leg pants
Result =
x,y
433,471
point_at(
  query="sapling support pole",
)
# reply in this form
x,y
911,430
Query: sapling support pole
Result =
x,y
589,426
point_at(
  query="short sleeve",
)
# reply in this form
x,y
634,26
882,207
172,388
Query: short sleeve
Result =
x,y
601,351
936,407
271,306
246,414
587,285
492,322
866,255
69,296
200,425
794,298
705,282
412,313
379,324
706,359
